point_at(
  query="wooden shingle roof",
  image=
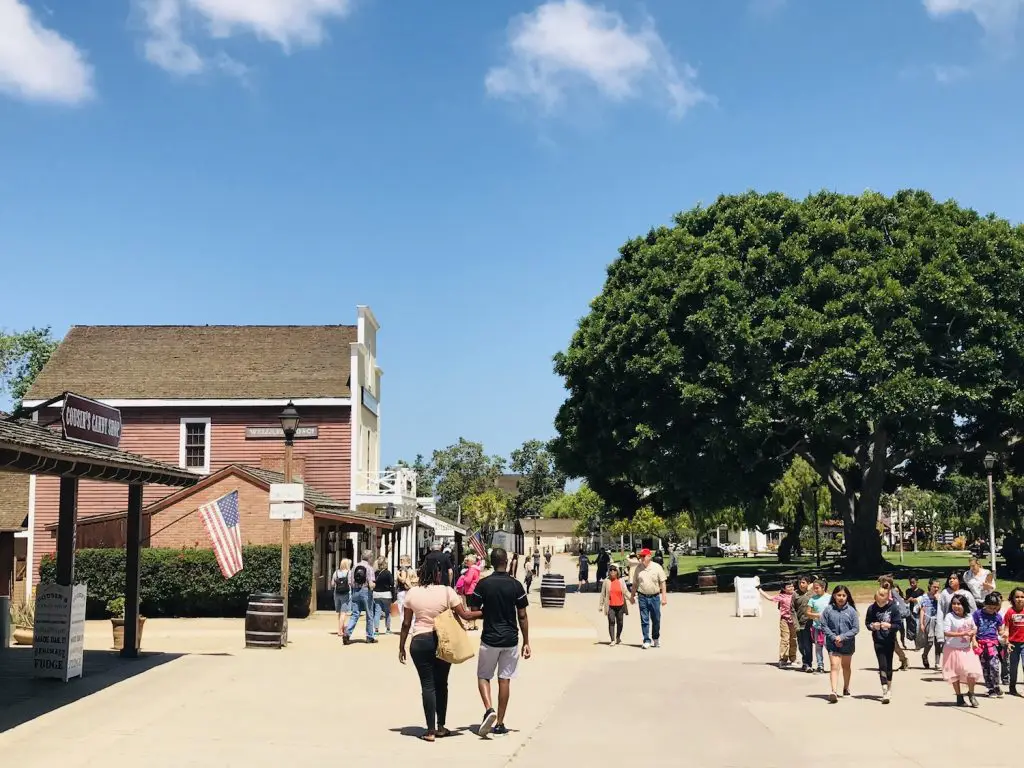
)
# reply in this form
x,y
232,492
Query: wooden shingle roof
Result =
x,y
13,501
27,447
199,362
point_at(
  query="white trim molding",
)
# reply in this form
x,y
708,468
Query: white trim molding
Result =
x,y
362,310
205,469
30,545
355,423
207,403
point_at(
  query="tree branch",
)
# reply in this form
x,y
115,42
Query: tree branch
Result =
x,y
955,450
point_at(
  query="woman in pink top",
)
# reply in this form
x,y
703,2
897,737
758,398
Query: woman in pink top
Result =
x,y
466,585
423,604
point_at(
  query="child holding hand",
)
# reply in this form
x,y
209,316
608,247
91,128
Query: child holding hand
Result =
x,y
787,623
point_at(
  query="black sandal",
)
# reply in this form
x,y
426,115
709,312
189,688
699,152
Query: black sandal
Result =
x,y
443,733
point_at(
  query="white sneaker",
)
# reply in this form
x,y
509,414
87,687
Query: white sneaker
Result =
x,y
646,645
657,643
885,694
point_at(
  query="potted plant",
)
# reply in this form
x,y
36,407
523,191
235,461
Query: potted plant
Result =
x,y
115,608
23,617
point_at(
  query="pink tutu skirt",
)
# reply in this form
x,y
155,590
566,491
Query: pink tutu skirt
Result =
x,y
961,666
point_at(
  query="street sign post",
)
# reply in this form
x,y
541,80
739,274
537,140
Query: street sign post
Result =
x,y
286,501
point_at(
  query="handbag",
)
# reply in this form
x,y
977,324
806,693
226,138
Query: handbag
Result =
x,y
453,643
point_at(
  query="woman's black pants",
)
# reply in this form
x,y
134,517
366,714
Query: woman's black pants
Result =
x,y
616,614
884,650
433,679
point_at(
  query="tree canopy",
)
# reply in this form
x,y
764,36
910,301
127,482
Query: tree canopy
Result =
x,y
540,480
22,357
872,336
458,473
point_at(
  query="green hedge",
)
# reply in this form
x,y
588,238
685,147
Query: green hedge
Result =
x,y
188,582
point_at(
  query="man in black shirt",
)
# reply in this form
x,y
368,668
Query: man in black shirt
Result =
x,y
444,564
503,602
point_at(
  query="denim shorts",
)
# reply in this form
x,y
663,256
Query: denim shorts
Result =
x,y
341,603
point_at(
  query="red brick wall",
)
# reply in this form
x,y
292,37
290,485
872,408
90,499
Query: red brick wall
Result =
x,y
254,512
156,433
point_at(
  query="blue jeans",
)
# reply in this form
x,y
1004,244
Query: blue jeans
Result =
x,y
650,616
362,602
819,650
1016,657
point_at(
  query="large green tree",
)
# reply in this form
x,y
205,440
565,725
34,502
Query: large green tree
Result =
x,y
540,479
461,471
22,357
866,334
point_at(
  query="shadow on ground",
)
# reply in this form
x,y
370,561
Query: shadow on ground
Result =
x,y
24,698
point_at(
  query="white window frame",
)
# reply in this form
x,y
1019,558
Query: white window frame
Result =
x,y
205,469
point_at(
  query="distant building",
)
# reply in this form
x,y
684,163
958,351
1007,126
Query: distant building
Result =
x,y
543,533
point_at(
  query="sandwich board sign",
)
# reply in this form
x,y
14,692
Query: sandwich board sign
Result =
x,y
286,501
59,633
748,600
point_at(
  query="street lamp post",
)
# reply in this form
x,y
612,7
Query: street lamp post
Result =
x,y
990,462
289,425
899,518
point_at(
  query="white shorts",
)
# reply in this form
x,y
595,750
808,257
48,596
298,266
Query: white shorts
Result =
x,y
503,661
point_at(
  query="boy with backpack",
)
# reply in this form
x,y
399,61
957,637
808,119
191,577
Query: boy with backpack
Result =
x,y
361,582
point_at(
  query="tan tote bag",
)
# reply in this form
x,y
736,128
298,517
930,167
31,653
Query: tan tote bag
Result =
x,y
453,643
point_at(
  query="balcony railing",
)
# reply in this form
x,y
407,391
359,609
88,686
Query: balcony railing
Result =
x,y
394,482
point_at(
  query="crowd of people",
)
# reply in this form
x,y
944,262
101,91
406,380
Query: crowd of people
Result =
x,y
975,639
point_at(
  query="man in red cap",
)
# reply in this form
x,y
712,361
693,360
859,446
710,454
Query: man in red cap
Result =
x,y
650,586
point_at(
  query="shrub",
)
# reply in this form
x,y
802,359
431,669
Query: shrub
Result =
x,y
188,582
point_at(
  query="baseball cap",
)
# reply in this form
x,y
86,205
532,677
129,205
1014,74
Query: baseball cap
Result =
x,y
645,553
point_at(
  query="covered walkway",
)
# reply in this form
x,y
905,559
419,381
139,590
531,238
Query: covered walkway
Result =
x,y
26,447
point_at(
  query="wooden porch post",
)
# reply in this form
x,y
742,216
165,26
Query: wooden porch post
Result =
x,y
6,564
133,557
67,530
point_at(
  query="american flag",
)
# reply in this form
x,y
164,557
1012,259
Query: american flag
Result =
x,y
221,520
478,545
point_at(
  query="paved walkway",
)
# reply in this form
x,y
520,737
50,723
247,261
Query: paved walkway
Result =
x,y
709,697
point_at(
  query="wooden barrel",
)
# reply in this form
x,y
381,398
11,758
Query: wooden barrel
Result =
x,y
264,621
707,581
552,591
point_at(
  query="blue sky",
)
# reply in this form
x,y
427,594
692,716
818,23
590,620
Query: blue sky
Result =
x,y
466,167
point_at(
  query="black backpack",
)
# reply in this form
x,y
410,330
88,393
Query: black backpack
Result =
x,y
359,576
341,584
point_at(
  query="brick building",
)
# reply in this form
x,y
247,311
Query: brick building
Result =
x,y
207,399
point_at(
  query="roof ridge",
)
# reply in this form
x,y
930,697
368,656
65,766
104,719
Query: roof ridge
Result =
x,y
215,325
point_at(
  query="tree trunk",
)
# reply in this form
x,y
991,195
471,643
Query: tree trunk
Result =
x,y
791,542
860,532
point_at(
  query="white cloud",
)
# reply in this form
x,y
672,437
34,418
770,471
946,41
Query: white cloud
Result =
x,y
172,28
999,18
565,43
165,46
951,73
38,64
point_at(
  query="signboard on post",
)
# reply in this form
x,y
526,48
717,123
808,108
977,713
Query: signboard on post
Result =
x,y
748,599
504,540
286,501
276,433
89,421
59,632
